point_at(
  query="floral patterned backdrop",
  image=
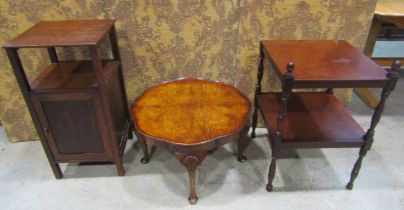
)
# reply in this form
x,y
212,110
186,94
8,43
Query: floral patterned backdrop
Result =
x,y
166,39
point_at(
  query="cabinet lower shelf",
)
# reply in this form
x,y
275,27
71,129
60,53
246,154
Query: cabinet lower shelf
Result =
x,y
313,120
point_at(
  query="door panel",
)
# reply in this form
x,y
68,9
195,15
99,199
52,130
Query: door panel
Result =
x,y
72,125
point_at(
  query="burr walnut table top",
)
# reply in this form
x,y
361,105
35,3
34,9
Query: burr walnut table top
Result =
x,y
191,117
190,111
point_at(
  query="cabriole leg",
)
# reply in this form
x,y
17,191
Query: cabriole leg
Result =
x,y
242,144
254,120
191,161
145,159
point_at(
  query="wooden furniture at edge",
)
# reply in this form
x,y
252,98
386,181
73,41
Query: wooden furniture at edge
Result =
x,y
388,14
79,107
317,119
191,117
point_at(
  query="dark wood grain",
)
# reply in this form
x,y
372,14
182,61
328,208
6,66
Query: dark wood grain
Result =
x,y
65,116
117,57
369,137
318,120
191,162
25,88
62,33
79,108
324,63
72,75
243,141
312,120
260,74
52,54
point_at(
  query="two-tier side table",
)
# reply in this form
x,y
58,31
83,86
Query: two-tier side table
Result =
x,y
79,107
191,117
317,119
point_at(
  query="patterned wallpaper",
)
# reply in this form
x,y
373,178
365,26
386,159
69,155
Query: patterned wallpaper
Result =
x,y
162,40
17,16
167,39
294,19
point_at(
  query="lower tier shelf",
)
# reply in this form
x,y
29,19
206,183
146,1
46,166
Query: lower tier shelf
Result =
x,y
313,120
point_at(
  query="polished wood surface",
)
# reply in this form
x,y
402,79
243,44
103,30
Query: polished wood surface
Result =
x,y
63,33
190,111
324,60
70,75
191,117
79,108
317,120
313,120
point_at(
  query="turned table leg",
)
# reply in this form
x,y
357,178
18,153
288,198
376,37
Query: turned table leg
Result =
x,y
258,89
191,161
271,174
355,170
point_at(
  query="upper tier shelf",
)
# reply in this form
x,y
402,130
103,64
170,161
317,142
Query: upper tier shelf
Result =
x,y
324,64
71,75
312,120
63,33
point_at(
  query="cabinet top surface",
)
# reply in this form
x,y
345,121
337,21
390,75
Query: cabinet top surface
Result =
x,y
323,60
190,111
62,33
